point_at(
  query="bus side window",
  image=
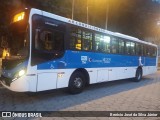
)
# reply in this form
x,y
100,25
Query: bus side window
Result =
x,y
148,51
151,51
76,39
132,49
121,46
127,48
138,49
154,51
144,50
97,43
114,45
107,44
87,40
102,43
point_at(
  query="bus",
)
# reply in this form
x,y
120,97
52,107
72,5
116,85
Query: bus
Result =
x,y
45,51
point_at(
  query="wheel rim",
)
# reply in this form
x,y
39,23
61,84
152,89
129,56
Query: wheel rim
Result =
x,y
78,82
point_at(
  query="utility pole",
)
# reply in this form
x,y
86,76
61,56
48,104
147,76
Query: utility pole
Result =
x,y
87,12
107,11
73,2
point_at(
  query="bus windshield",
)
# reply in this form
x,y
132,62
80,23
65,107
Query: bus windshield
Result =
x,y
16,46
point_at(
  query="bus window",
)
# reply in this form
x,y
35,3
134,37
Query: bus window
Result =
x,y
102,43
152,51
132,49
76,39
127,48
106,44
144,50
121,47
97,42
87,40
49,41
41,41
114,47
138,49
148,52
49,44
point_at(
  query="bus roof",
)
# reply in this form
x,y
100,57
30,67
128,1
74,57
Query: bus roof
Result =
x,y
84,25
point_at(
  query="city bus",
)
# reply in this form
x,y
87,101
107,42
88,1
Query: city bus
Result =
x,y
45,51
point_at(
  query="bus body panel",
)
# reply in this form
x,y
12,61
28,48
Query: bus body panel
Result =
x,y
46,80
100,67
22,84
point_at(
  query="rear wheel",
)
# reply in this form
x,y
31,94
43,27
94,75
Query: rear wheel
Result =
x,y
76,83
138,76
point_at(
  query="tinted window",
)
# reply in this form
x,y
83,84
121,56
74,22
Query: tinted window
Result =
x,y
80,39
49,40
144,50
114,47
102,43
121,46
48,44
138,49
148,51
76,39
132,50
127,48
87,40
152,51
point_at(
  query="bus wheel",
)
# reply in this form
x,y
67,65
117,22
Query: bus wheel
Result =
x,y
138,75
76,83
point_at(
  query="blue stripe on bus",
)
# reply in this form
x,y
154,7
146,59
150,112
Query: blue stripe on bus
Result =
x,y
79,59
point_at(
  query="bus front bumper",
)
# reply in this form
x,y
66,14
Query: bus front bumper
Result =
x,y
19,85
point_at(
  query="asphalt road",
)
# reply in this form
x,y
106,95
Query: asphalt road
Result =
x,y
123,95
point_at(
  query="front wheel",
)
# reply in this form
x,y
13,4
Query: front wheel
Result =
x,y
76,83
138,76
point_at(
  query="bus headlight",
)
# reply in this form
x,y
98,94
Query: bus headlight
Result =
x,y
21,73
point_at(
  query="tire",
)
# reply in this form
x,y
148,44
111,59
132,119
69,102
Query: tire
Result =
x,y
138,76
76,83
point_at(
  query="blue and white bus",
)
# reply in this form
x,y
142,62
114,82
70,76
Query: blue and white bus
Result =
x,y
46,51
